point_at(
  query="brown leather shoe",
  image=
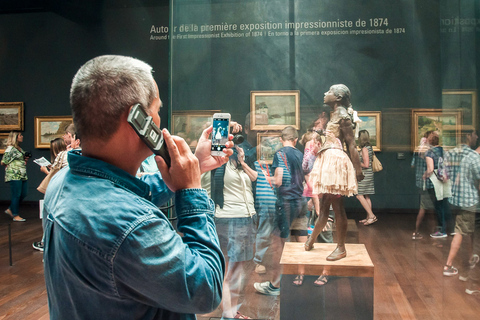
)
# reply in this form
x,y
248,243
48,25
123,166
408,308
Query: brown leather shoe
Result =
x,y
335,255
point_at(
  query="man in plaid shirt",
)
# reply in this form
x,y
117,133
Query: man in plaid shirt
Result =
x,y
420,168
463,165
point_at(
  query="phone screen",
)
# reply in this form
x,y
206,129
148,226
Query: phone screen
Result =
x,y
220,133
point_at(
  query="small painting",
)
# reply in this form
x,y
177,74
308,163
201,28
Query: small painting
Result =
x,y
447,123
49,128
11,116
3,142
371,121
464,101
190,124
267,145
274,110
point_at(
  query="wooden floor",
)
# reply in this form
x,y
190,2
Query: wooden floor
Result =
x,y
408,280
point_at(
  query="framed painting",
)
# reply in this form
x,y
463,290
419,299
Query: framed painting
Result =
x,y
11,116
49,128
3,142
267,145
463,100
190,124
447,123
274,110
371,121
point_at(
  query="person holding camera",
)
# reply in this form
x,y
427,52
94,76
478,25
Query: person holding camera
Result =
x,y
15,162
110,253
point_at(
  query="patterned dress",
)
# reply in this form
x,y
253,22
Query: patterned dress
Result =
x,y
366,186
333,171
14,159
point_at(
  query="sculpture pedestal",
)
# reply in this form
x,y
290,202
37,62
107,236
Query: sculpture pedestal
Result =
x,y
348,293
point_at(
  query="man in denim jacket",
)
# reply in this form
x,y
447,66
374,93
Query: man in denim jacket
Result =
x,y
110,253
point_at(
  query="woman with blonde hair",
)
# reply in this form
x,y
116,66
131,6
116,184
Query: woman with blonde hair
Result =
x,y
366,186
15,162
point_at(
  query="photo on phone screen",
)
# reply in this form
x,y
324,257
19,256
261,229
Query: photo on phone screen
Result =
x,y
221,123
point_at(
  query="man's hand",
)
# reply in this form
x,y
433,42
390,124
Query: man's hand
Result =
x,y
236,127
184,172
202,152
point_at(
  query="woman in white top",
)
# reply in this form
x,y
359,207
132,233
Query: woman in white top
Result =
x,y
231,189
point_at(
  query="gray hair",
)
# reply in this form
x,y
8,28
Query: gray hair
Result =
x,y
342,91
104,88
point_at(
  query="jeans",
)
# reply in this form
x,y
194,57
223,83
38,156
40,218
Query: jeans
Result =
x,y
442,210
18,191
266,225
287,211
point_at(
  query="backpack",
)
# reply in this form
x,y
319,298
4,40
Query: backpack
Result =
x,y
441,174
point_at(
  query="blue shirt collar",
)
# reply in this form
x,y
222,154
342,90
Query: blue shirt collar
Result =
x,y
87,166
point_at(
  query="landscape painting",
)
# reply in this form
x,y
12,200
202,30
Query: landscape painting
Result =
x,y
49,128
446,123
11,116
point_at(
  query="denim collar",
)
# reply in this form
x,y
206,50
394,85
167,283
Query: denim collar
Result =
x,y
87,166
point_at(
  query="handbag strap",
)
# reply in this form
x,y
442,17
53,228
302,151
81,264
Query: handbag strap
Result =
x,y
244,189
285,161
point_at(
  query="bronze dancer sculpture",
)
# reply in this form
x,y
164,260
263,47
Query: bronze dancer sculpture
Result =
x,y
336,171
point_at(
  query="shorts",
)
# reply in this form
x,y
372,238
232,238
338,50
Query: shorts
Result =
x,y
237,237
465,222
426,200
291,217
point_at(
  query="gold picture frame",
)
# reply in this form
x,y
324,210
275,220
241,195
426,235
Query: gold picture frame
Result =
x,y
267,145
464,100
274,110
447,123
190,124
49,128
11,116
372,122
3,142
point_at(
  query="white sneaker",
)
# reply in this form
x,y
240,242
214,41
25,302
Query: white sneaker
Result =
x,y
462,278
474,260
266,288
260,269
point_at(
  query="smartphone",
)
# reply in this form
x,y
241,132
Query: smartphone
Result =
x,y
221,124
148,131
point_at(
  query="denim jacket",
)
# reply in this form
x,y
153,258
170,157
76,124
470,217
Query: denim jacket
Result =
x,y
110,253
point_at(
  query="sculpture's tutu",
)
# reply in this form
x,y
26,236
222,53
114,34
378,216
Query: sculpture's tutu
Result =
x,y
333,173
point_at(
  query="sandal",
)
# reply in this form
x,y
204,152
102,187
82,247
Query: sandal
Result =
x,y
241,316
9,212
321,281
363,221
417,236
370,221
298,280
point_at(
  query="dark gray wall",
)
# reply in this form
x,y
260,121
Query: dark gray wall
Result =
x,y
40,53
392,73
